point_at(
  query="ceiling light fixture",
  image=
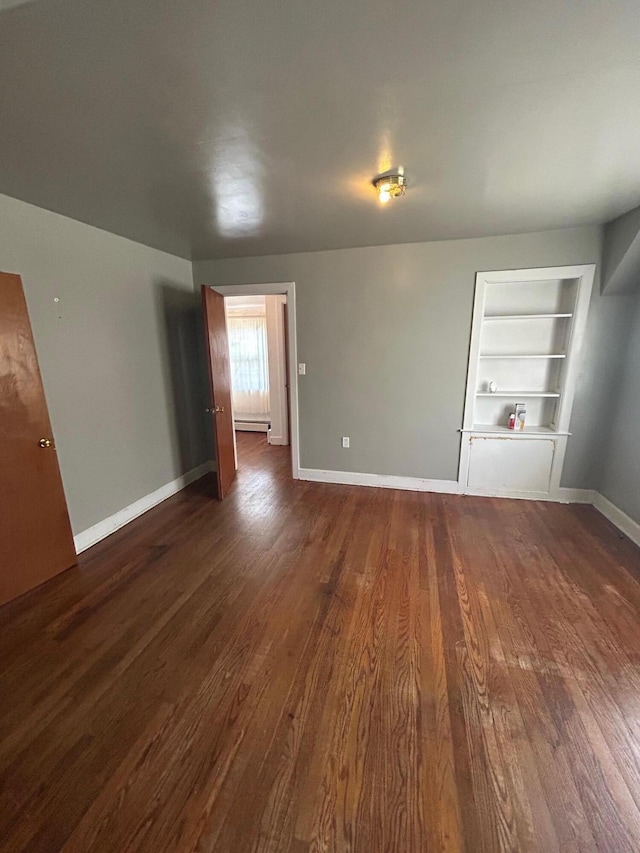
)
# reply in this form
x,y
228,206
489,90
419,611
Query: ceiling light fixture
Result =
x,y
390,186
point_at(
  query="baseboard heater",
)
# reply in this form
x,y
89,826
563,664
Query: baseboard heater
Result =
x,y
252,426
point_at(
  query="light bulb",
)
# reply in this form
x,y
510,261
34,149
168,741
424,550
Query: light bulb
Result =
x,y
389,186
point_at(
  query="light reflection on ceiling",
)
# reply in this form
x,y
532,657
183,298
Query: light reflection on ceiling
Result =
x,y
237,185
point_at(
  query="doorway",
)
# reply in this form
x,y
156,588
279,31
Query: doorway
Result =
x,y
256,327
257,351
253,376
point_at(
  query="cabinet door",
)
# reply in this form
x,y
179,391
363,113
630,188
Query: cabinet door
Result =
x,y
510,465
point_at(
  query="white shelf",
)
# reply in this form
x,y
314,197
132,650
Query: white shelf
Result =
x,y
501,429
527,316
517,394
524,355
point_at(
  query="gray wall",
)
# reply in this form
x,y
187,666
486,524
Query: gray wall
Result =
x,y
118,354
621,254
620,481
384,332
597,389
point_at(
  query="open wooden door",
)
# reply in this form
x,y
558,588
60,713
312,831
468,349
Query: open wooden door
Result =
x,y
215,327
35,535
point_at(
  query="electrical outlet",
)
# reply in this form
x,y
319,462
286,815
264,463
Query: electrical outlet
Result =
x,y
302,368
345,441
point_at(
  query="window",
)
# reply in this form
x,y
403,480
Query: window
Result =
x,y
249,364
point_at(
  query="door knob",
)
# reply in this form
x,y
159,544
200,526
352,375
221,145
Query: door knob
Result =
x,y
45,442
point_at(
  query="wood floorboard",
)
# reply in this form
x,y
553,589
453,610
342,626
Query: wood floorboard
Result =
x,y
315,668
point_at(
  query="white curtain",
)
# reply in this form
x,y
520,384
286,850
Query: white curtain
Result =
x,y
249,364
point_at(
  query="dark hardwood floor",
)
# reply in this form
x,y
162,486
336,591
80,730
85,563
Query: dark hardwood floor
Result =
x,y
310,667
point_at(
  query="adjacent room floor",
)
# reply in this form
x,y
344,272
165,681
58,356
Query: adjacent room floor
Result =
x,y
311,667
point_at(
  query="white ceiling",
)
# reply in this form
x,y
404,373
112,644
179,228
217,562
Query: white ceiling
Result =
x,y
218,128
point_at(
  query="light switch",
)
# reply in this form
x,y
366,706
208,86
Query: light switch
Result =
x,y
345,441
302,368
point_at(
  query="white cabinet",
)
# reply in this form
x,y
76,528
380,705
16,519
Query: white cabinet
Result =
x,y
527,332
501,465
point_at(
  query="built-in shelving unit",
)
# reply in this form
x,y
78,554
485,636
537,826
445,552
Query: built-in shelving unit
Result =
x,y
527,330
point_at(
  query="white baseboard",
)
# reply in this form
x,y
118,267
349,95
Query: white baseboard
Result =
x,y
109,525
561,495
449,487
251,426
575,496
509,494
380,481
616,516
278,439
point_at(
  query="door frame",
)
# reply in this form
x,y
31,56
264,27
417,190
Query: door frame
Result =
x,y
288,289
